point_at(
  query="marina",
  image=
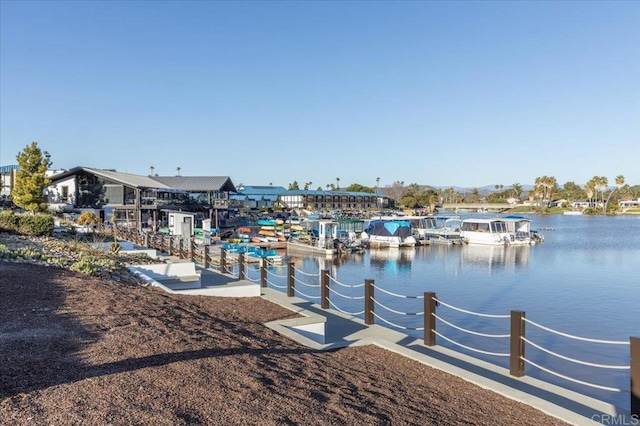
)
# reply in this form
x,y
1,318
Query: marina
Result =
x,y
581,282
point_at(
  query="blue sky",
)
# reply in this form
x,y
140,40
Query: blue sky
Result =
x,y
435,93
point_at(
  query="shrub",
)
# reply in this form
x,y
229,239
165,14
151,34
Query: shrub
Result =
x,y
8,221
38,224
88,218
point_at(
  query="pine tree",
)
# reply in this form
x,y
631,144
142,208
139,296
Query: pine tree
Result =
x,y
31,179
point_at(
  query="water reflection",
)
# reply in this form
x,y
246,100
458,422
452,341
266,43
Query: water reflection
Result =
x,y
495,257
392,259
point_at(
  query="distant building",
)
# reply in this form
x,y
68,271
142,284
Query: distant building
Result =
x,y
332,200
257,197
629,204
7,181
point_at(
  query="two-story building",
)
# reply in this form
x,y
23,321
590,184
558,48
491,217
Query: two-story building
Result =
x,y
138,201
332,200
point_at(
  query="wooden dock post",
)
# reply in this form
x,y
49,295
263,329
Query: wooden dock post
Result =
x,y
634,348
241,266
368,301
324,289
205,261
429,318
263,272
170,248
291,284
223,260
192,250
180,248
516,346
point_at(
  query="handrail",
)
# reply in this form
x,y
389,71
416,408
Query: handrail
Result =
x,y
571,379
472,312
469,347
570,336
577,361
471,331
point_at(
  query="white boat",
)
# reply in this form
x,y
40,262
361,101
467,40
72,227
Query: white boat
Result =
x,y
484,231
509,230
446,230
519,228
392,233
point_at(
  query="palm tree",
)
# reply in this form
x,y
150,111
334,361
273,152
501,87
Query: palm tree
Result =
x,y
151,170
337,183
178,171
517,190
619,184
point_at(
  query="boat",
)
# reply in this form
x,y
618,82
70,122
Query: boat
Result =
x,y
392,233
259,253
485,231
266,221
323,237
509,230
520,229
446,230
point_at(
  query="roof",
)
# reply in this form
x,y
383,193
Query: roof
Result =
x,y
327,193
261,190
135,181
483,220
8,169
181,183
197,183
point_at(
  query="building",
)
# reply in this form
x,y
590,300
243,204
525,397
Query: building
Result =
x,y
7,180
629,204
138,201
258,197
332,200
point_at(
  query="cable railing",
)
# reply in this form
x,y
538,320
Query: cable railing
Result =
x,y
571,359
331,291
449,323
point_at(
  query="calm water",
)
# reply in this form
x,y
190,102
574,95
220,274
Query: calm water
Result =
x,y
583,280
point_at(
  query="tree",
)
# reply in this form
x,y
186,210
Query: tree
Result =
x,y
572,191
356,187
294,185
396,190
619,184
475,196
307,185
178,171
545,187
337,184
31,179
517,190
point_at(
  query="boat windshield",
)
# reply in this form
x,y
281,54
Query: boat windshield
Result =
x,y
498,227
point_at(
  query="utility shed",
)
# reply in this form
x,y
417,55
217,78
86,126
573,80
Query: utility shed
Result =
x,y
181,223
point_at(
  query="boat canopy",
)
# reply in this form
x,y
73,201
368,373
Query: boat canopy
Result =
x,y
396,228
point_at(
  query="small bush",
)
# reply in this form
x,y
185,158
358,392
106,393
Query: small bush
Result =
x,y
8,221
88,218
38,224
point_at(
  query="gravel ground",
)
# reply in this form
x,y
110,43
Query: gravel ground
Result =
x,y
86,350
